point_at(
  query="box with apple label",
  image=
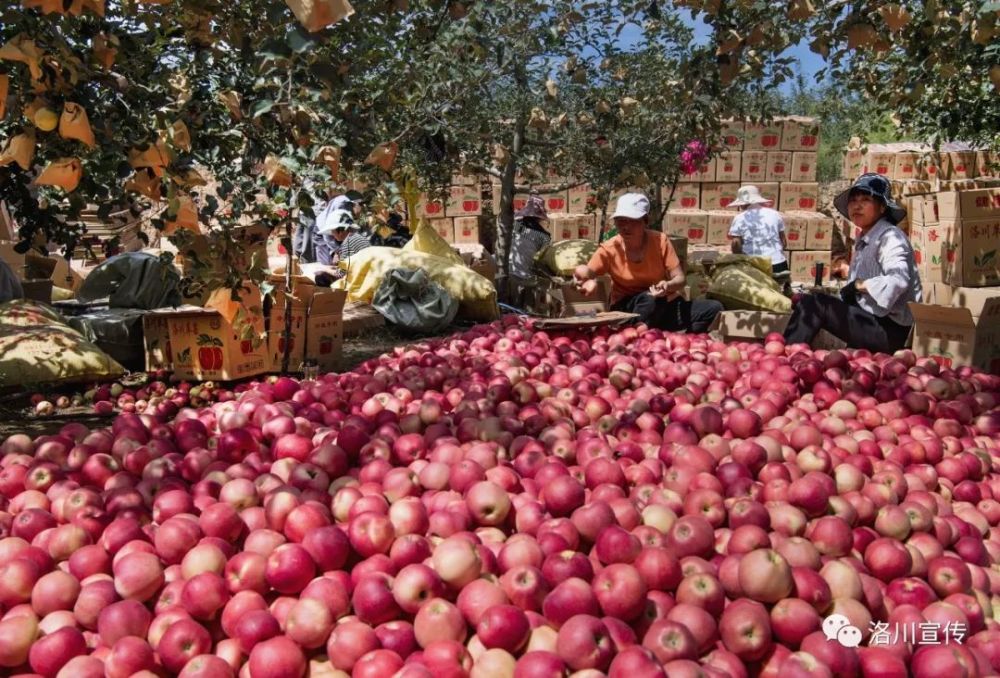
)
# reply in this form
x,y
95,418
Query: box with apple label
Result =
x,y
733,132
763,136
779,165
799,196
820,232
929,166
963,164
430,208
933,244
803,266
728,166
556,203
879,162
586,226
803,166
796,229
685,196
579,198
444,228
466,230
465,201
690,224
958,326
464,180
771,191
317,325
718,196
854,164
971,223
799,134
719,222
754,166
986,164
705,173
906,166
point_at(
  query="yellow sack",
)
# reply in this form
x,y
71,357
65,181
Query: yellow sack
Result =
x,y
762,264
64,173
427,241
564,256
315,15
74,124
19,149
61,294
746,288
477,297
37,347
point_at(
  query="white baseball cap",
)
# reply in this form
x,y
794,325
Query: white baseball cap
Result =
x,y
632,206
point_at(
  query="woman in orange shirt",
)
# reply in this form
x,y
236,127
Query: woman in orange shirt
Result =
x,y
646,274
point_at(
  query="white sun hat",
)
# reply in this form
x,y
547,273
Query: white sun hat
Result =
x,y
748,195
631,206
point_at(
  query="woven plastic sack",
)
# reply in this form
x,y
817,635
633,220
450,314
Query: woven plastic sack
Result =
x,y
37,349
427,240
477,297
410,300
746,288
762,264
564,256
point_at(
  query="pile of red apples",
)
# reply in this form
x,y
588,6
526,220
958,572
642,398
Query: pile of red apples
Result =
x,y
511,502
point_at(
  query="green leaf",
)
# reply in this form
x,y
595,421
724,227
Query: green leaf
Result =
x,y
299,41
263,106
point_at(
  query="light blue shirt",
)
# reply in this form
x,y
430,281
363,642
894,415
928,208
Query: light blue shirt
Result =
x,y
883,259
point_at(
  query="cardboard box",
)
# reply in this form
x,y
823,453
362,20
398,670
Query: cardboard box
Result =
x,y
466,230
796,229
854,163
986,164
573,303
12,259
205,346
754,166
429,209
916,236
963,164
586,226
933,243
779,165
906,166
733,132
717,196
464,201
728,166
690,224
803,266
754,326
520,200
929,167
719,222
317,326
819,235
971,223
556,203
770,190
799,196
579,198
156,337
444,228
464,180
961,327
763,137
685,197
929,210
799,134
879,162
566,228
705,173
803,166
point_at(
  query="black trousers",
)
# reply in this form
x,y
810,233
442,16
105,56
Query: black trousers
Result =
x,y
848,322
673,316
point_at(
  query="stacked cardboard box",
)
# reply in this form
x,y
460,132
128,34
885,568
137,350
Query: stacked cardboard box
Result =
x,y
908,161
454,214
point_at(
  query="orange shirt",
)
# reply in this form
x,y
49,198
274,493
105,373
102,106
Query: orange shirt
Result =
x,y
629,277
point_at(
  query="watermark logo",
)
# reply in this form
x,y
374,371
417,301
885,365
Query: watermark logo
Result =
x,y
837,627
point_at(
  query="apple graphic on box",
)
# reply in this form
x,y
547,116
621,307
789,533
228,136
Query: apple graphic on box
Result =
x,y
732,140
724,202
917,256
695,233
470,205
433,207
804,168
807,203
769,140
753,169
556,203
808,140
779,168
820,235
728,167
688,201
793,235
882,169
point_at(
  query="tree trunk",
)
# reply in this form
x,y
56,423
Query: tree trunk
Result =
x,y
604,222
287,334
670,198
655,207
505,221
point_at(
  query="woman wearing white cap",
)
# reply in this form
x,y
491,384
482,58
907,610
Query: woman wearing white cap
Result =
x,y
646,274
758,230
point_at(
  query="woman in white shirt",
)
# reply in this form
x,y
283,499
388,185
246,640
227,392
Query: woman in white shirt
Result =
x,y
872,312
758,230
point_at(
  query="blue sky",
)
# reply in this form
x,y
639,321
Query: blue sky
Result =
x,y
808,61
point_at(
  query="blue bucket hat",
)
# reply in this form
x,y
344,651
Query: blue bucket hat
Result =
x,y
875,185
